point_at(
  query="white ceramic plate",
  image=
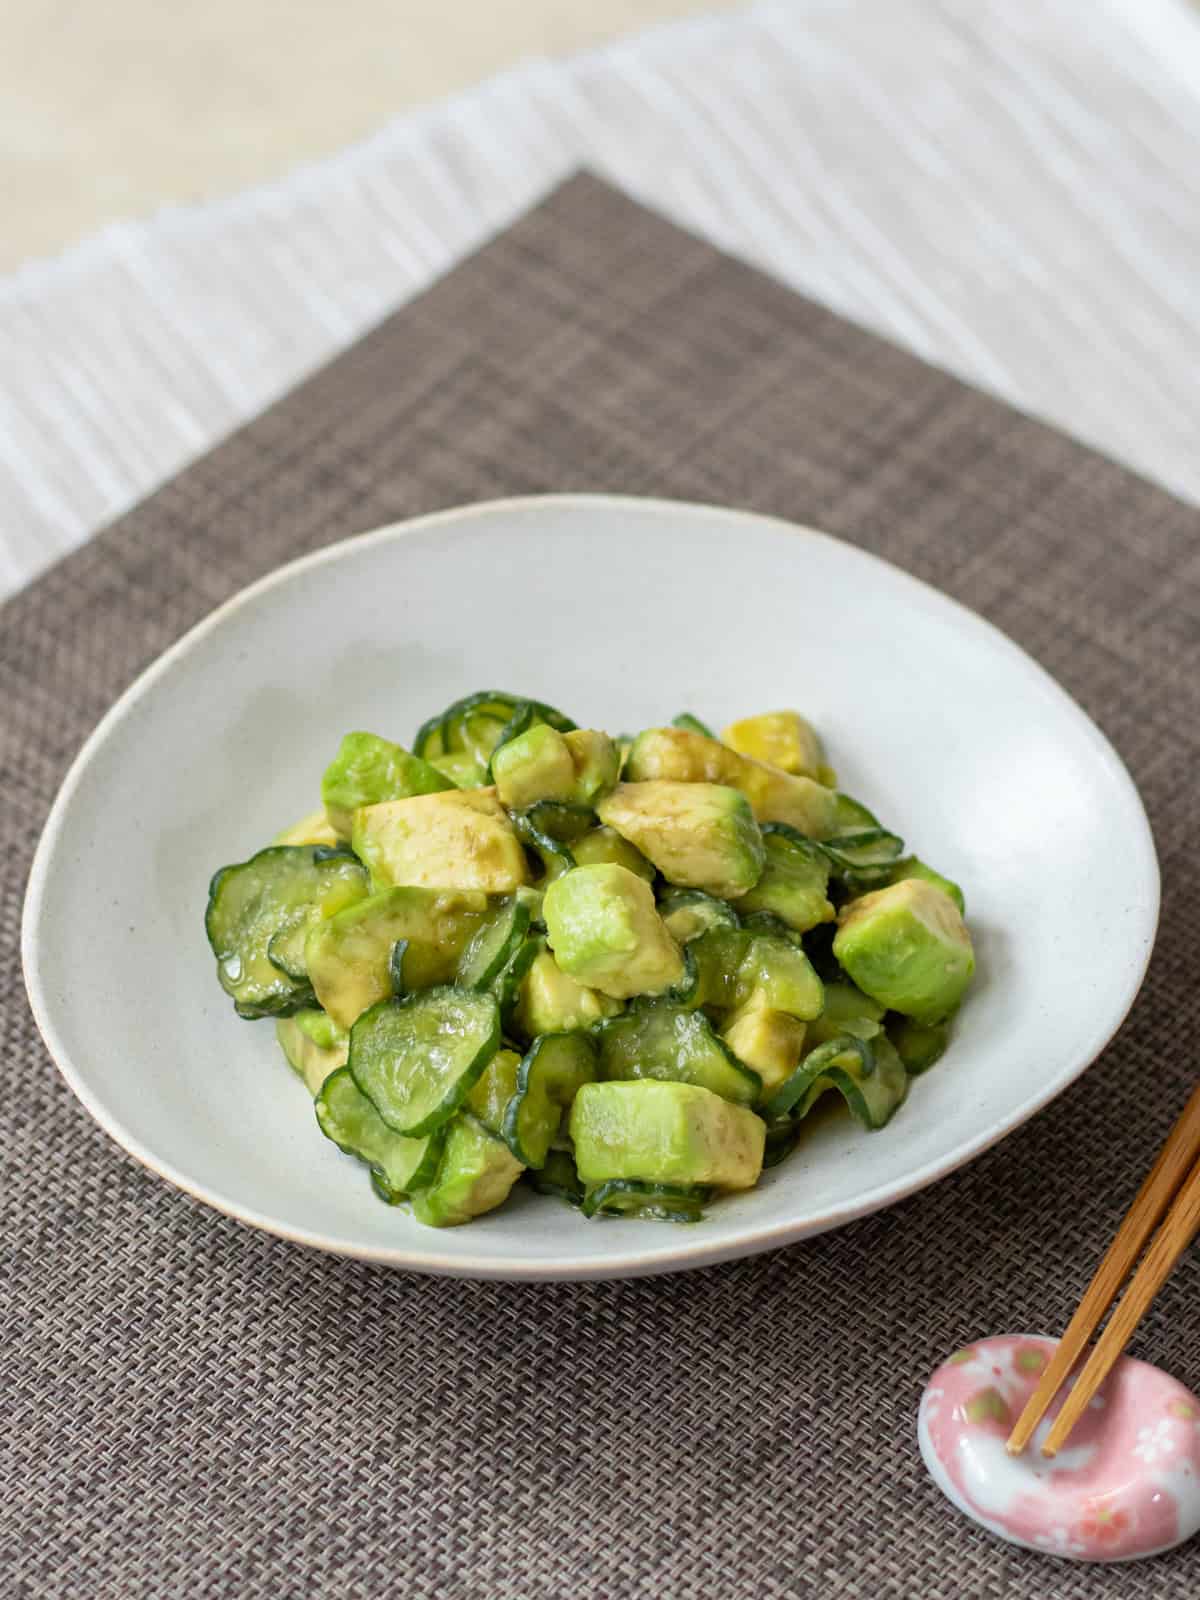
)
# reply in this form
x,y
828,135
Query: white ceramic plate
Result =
x,y
622,612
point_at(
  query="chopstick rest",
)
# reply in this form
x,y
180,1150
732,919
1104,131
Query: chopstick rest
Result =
x,y
1126,1484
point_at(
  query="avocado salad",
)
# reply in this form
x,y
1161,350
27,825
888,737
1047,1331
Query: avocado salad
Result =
x,y
620,970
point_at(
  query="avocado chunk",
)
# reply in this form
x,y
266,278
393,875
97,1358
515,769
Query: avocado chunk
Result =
x,y
770,1041
475,1175
914,867
544,764
606,844
677,1133
491,1092
551,1001
907,947
782,739
461,839
348,955
686,757
698,835
777,973
314,1046
795,882
368,770
313,829
605,930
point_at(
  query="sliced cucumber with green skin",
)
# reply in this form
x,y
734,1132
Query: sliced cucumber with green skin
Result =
x,y
686,992
864,855
652,1202
851,816
496,1085
689,913
462,770
475,1174
521,720
557,1177
398,1165
919,1047
555,856
663,1040
495,944
275,898
506,985
846,1010
795,880
477,722
396,969
767,923
417,1059
549,1077
691,724
867,1073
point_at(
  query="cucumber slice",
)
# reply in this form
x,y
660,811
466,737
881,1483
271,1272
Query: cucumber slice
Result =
x,y
554,855
272,900
865,855
477,722
557,1177
660,1039
689,913
417,1059
475,1174
851,816
691,724
867,1073
497,1084
398,1165
686,992
548,1080
506,986
795,881
654,1202
495,944
396,969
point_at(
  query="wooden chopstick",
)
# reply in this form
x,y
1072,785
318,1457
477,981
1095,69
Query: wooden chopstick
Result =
x,y
1177,1158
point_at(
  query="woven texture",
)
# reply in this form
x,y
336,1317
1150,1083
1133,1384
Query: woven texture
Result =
x,y
193,1409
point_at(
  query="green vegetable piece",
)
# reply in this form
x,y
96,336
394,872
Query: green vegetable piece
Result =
x,y
551,1001
557,1177
462,770
478,722
606,845
597,764
862,859
497,1083
674,1133
851,816
914,867
658,1039
692,724
795,880
550,1076
416,1060
509,982
460,839
689,913
766,1040
782,739
534,766
313,1052
685,757
605,931
368,770
312,829
349,955
778,974
272,900
846,1010
918,1047
649,1202
698,835
907,947
867,1073
494,945
398,1165
396,969
476,1173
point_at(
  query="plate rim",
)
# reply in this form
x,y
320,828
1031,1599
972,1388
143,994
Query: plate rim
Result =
x,y
628,1264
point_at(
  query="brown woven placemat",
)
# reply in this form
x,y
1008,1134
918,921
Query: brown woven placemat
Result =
x,y
194,1409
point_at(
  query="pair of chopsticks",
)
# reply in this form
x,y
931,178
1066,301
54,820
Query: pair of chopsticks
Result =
x,y
1175,1177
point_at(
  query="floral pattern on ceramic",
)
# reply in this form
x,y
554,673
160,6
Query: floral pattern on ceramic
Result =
x,y
1126,1484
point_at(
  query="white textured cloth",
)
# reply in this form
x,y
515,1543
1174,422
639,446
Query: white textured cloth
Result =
x,y
1010,190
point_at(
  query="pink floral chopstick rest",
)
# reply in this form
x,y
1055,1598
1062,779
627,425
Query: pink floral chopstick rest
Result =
x,y
1126,1484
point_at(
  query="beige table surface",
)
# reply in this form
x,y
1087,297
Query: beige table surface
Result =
x,y
111,108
